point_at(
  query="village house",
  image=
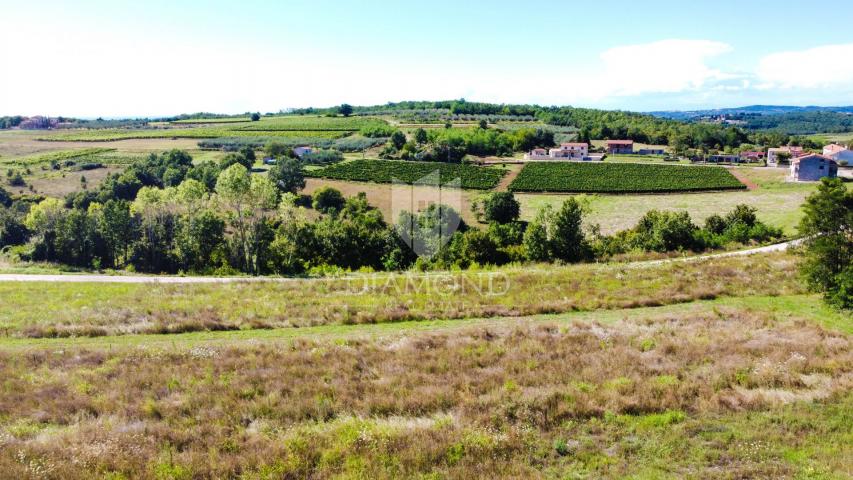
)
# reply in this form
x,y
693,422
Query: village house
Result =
x,y
839,153
568,151
813,167
773,154
615,147
753,156
300,151
651,151
723,158
576,151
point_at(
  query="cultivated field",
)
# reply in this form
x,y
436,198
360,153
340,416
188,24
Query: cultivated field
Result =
x,y
388,171
738,374
577,177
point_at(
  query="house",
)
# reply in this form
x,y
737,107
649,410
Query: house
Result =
x,y
537,154
723,158
753,156
300,151
651,151
620,147
839,153
813,167
575,151
773,154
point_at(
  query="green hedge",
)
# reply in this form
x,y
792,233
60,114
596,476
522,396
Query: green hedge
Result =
x,y
386,171
621,178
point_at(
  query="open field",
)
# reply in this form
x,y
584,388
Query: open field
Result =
x,y
379,195
587,177
387,171
308,123
744,385
61,310
201,132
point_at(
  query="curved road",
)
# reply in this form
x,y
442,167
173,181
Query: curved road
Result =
x,y
101,278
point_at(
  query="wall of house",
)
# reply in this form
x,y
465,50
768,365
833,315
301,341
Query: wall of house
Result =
x,y
812,170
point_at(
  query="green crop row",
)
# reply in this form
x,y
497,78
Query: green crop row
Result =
x,y
389,171
621,178
201,132
313,123
56,156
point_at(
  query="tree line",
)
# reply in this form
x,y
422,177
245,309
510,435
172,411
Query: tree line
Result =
x,y
165,215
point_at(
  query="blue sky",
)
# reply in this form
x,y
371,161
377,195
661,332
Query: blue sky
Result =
x,y
113,58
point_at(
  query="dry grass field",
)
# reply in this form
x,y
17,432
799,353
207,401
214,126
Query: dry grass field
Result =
x,y
752,382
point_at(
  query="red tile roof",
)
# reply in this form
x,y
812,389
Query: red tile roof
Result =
x,y
810,155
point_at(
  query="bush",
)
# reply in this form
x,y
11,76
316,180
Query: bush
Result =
x,y
328,200
318,157
501,207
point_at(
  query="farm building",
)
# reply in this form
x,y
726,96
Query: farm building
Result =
x,y
537,154
615,147
724,158
813,167
838,153
577,151
566,151
300,151
651,151
773,154
754,156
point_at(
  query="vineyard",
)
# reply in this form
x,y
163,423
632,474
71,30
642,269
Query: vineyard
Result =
x,y
340,124
388,171
202,132
621,178
57,156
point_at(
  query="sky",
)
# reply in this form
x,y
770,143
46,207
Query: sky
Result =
x,y
158,58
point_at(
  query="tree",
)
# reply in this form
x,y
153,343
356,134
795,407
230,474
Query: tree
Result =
x,y
828,228
501,207
255,117
328,200
398,139
117,227
484,124
5,198
249,153
232,158
287,175
421,136
345,110
278,150
567,239
249,200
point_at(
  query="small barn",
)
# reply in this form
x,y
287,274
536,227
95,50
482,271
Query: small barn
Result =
x,y
813,167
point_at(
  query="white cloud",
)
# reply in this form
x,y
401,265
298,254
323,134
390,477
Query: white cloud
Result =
x,y
818,67
667,66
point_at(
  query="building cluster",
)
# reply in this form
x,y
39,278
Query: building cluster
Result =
x,y
580,151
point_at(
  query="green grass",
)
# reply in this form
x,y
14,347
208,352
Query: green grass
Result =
x,y
783,308
308,123
200,132
387,171
213,120
57,156
620,178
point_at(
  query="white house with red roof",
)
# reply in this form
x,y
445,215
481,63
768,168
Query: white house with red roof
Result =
x,y
838,153
773,154
566,151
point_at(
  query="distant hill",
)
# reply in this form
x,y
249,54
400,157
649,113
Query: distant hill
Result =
x,y
779,118
748,110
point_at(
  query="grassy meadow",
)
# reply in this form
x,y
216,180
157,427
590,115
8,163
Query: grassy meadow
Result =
x,y
721,368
